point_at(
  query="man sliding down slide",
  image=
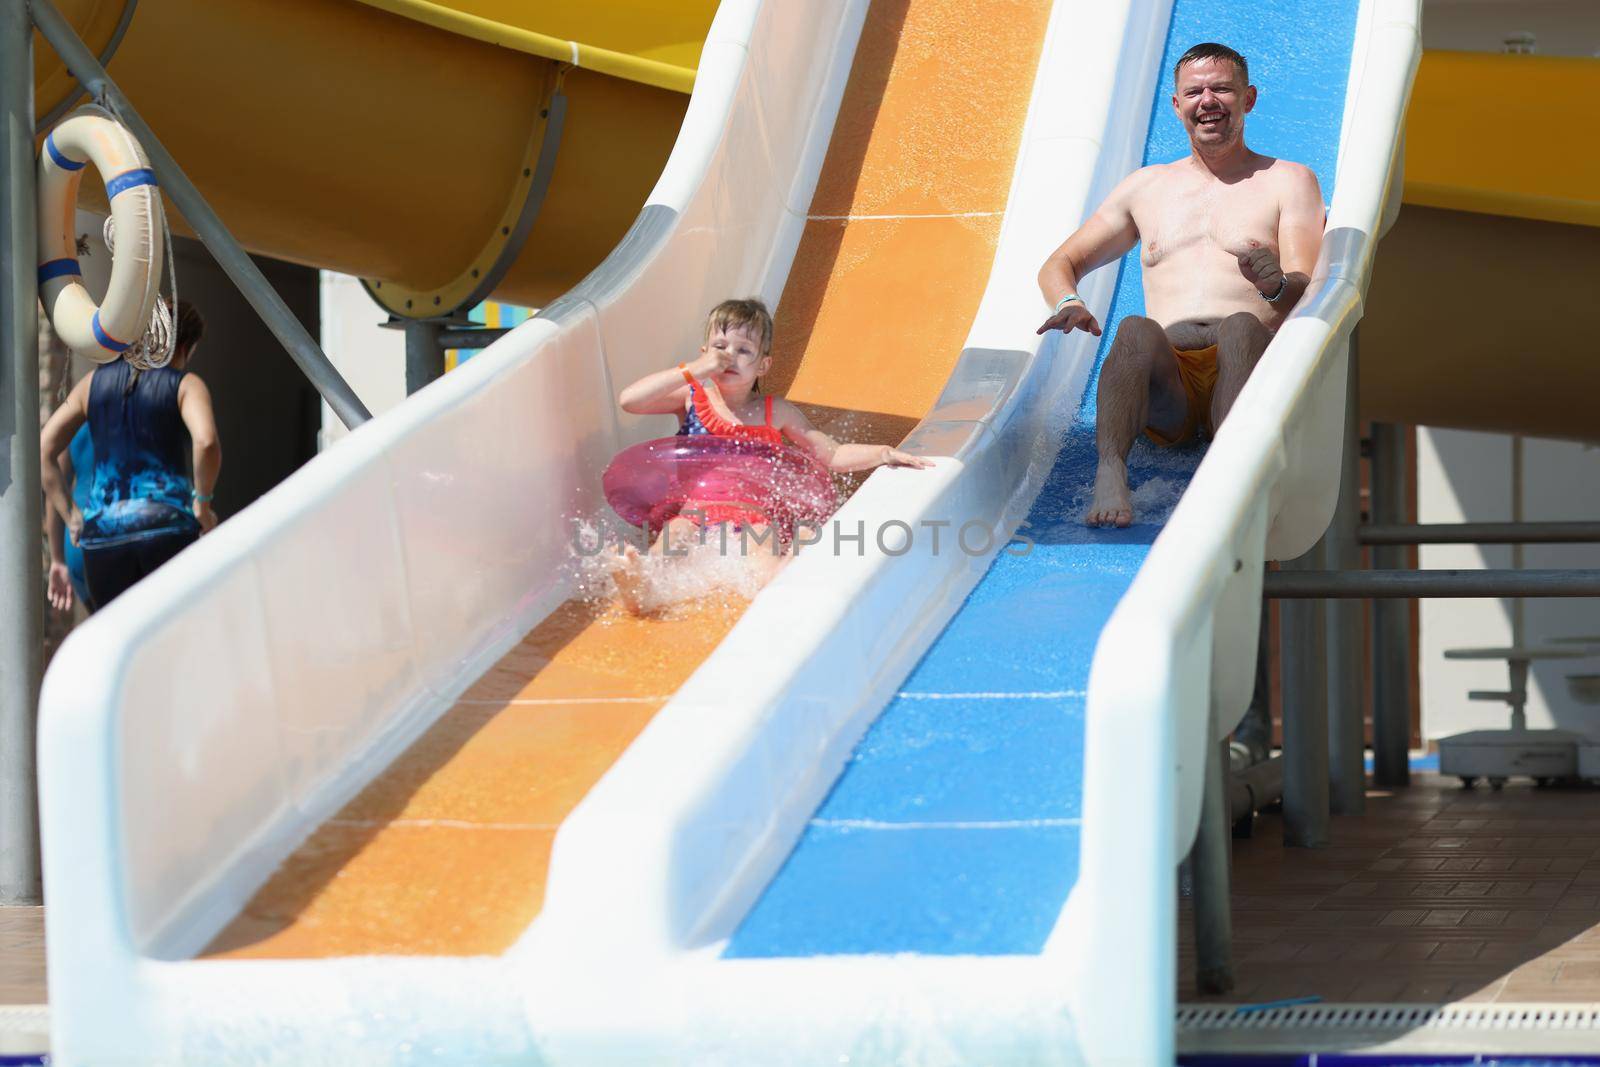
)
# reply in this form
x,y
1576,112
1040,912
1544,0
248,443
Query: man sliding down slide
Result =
x,y
1230,237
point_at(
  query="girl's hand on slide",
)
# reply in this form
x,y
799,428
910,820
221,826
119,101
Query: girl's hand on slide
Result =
x,y
893,457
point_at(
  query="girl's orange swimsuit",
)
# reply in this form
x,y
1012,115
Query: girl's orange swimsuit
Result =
x,y
702,418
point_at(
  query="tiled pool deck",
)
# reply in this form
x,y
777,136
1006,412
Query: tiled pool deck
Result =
x,y
1437,894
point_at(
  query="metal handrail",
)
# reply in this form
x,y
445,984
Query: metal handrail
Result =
x,y
1322,585
1479,533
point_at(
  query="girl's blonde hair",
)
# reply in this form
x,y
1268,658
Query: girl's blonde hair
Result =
x,y
747,314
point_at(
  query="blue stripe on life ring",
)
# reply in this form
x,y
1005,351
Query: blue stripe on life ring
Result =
x,y
59,268
105,339
129,179
56,157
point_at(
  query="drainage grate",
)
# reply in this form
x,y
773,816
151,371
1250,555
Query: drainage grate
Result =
x,y
1469,1028
1392,1017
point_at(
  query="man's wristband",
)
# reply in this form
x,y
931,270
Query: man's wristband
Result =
x,y
203,498
1064,301
1283,286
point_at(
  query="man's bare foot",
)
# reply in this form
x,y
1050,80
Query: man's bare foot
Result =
x,y
632,586
1112,504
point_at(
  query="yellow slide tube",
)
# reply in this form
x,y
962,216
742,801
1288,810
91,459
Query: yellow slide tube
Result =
x,y
389,139
1496,134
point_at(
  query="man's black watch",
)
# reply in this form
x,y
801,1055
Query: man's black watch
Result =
x,y
1283,285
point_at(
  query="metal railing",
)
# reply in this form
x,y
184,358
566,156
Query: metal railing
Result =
x,y
1480,533
1411,585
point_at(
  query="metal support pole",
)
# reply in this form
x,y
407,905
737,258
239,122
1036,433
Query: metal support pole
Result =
x,y
1481,533
1213,916
1431,585
1255,729
1391,619
1347,775
1518,671
1519,630
21,577
229,254
1303,654
424,354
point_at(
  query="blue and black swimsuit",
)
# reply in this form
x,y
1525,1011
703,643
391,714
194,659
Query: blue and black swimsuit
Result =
x,y
138,498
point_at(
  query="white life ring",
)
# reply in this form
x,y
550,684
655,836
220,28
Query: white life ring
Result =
x,y
99,333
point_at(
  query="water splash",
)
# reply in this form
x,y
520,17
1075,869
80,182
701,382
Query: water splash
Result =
x,y
720,569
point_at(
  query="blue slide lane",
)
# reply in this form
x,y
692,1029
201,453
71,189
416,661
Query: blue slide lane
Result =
x,y
954,826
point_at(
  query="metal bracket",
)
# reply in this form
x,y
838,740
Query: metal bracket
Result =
x,y
70,101
428,339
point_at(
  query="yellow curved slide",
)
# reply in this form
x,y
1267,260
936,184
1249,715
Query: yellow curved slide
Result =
x,y
1515,150
396,140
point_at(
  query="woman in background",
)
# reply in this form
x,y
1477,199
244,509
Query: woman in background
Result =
x,y
149,428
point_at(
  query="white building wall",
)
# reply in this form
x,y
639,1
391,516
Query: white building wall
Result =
x,y
1464,476
1559,27
371,357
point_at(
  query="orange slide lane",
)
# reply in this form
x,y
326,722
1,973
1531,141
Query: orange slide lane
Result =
x,y
446,852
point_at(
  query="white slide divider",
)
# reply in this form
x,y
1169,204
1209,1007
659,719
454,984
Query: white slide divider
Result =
x,y
194,732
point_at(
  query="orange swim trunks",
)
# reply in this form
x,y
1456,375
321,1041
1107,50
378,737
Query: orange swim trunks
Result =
x,y
1197,369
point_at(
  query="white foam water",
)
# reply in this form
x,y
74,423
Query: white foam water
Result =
x,y
1153,500
720,563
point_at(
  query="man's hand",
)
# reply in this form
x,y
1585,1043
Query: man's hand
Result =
x,y
205,516
60,589
1072,317
1261,266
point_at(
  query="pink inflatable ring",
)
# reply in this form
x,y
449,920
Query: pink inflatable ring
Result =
x,y
651,482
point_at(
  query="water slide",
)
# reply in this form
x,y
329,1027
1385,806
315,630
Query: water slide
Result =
x,y
363,778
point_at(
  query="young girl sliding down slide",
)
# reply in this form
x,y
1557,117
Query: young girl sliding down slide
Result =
x,y
716,395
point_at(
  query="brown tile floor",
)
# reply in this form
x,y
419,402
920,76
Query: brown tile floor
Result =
x,y
1436,894
22,955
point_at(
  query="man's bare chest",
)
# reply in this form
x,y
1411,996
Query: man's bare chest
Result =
x,y
1184,220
